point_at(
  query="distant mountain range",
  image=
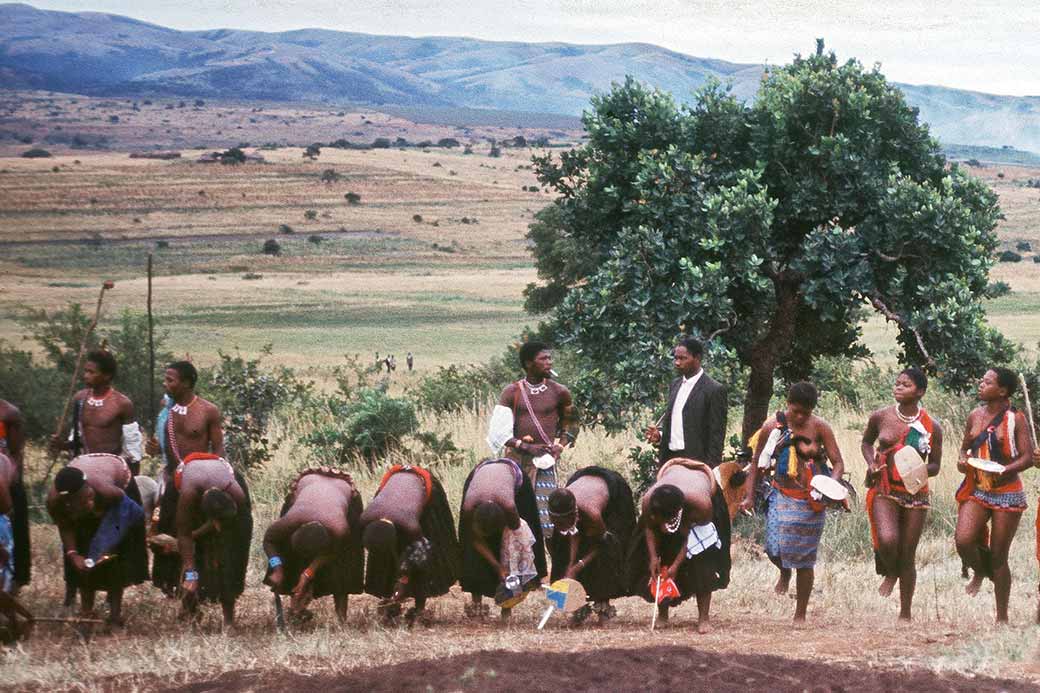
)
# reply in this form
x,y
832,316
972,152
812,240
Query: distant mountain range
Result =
x,y
110,55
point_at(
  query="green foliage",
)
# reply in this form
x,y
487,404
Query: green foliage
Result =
x,y
272,247
352,198
766,228
643,463
39,389
369,425
233,156
1009,256
461,388
36,154
248,394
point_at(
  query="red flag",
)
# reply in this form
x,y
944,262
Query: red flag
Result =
x,y
669,590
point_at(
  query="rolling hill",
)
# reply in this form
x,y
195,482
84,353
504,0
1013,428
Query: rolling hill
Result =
x,y
110,55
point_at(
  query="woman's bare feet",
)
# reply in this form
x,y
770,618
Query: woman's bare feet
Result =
x,y
972,588
783,584
704,627
887,585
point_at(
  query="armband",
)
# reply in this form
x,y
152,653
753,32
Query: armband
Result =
x,y
191,576
273,562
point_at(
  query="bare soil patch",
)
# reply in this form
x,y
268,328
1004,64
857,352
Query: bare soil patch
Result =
x,y
667,668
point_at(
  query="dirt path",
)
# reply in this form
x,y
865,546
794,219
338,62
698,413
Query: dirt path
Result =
x,y
659,668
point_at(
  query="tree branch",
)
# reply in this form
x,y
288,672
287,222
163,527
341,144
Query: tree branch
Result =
x,y
880,306
716,333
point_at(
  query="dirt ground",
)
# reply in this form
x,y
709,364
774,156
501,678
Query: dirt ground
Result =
x,y
657,668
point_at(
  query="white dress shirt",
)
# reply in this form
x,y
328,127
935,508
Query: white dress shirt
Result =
x,y
676,440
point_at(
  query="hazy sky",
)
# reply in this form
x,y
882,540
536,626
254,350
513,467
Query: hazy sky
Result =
x,y
986,45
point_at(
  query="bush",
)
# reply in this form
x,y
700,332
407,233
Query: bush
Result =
x,y
233,156
494,152
36,153
272,247
352,198
417,218
162,245
370,426
1023,247
381,143
248,395
313,151
251,276
329,176
1009,256
286,229
315,239
310,215
448,142
643,463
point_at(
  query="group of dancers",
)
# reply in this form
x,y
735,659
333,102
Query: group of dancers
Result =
x,y
404,543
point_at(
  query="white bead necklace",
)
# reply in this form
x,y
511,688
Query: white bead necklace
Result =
x,y
182,409
672,526
536,389
908,420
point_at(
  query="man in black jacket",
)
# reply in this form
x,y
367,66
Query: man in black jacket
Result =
x,y
694,424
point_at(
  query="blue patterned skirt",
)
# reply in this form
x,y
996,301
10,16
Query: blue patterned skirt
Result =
x,y
793,531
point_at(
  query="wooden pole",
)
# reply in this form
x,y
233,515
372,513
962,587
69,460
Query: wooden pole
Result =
x,y
151,351
1029,409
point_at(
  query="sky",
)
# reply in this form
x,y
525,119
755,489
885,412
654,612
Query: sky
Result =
x,y
983,45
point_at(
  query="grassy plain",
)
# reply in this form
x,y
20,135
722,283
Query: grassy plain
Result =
x,y
378,283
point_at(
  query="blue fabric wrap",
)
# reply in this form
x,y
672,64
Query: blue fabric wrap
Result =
x,y
114,527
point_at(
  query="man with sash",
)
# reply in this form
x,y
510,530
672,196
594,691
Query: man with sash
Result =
x,y
793,447
12,445
593,520
997,433
102,422
531,419
409,532
96,505
503,554
314,547
205,503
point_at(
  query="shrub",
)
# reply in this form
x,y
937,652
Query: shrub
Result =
x,y
1036,258
162,245
272,247
113,119
1009,256
329,176
494,152
249,276
313,151
286,229
233,156
36,154
310,215
1023,246
315,239
448,142
370,425
352,198
468,149
381,143
417,218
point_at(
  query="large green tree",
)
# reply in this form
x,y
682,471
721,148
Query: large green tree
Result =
x,y
770,229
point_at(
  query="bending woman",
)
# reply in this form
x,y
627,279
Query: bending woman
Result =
x,y
897,515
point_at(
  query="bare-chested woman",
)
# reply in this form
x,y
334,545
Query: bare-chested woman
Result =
x,y
994,431
102,417
8,475
410,536
896,515
12,444
794,445
314,548
214,529
680,506
593,519
97,507
496,498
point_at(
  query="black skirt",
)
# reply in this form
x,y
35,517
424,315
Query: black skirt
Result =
x,y
438,526
221,558
340,576
20,530
478,576
130,565
604,577
706,572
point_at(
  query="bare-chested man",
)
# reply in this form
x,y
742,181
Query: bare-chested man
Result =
x,y
97,507
102,417
314,548
532,416
792,447
996,432
896,515
497,506
188,425
410,536
214,529
12,444
685,538
593,520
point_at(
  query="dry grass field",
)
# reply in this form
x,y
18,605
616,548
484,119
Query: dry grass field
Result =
x,y
448,290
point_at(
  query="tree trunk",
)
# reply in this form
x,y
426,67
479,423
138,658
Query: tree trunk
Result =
x,y
767,352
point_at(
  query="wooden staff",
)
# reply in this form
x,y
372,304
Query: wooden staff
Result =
x,y
279,613
1029,409
151,351
653,618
